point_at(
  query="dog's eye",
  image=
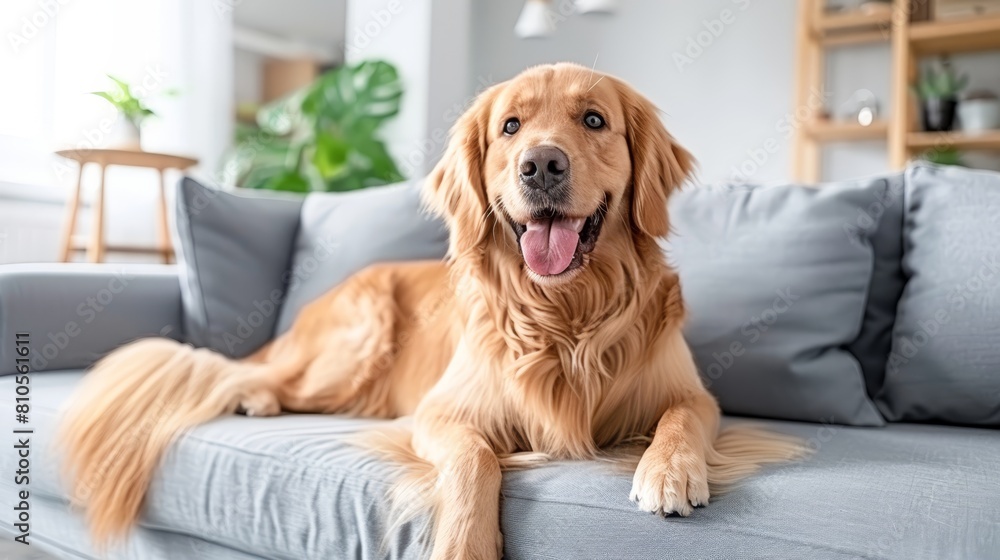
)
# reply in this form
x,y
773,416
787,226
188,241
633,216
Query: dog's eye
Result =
x,y
511,126
593,120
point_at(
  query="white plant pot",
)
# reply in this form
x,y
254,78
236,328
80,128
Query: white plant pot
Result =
x,y
979,115
124,135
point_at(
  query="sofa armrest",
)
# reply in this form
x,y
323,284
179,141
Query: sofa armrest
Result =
x,y
69,315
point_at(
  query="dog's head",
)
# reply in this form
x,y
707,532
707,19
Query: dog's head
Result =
x,y
556,169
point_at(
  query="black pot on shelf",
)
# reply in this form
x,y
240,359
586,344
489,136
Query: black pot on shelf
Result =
x,y
939,113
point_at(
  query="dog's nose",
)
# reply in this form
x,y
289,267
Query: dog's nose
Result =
x,y
543,167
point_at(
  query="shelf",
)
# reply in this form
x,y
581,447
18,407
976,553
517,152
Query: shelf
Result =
x,y
855,37
982,141
910,38
853,28
963,35
853,20
837,131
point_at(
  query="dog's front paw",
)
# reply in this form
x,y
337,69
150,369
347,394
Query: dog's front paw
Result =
x,y
671,484
259,403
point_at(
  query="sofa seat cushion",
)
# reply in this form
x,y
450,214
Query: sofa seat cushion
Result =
x,y
285,487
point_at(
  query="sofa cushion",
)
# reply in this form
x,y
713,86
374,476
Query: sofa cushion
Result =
x,y
883,216
776,281
342,233
285,487
234,249
250,260
945,361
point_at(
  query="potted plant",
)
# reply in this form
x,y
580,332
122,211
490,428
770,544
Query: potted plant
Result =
x,y
324,137
938,91
945,155
131,111
979,112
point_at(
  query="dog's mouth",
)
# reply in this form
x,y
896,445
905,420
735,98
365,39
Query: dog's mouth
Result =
x,y
553,243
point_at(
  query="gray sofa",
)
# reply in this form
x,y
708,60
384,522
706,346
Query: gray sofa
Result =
x,y
286,487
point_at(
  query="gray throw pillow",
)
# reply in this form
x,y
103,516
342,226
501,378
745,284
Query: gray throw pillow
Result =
x,y
776,281
883,214
945,360
234,250
342,233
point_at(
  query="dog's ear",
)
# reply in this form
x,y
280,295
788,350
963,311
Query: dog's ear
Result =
x,y
659,164
455,188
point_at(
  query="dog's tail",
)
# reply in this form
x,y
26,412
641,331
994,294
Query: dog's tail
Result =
x,y
413,492
129,409
739,451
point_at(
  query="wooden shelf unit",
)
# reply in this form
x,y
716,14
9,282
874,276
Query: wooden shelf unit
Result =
x,y
840,131
851,28
955,36
818,31
851,20
984,141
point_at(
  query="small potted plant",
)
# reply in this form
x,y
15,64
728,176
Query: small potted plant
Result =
x,y
945,155
979,112
938,91
131,111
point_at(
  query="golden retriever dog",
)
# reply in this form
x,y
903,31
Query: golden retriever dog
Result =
x,y
553,331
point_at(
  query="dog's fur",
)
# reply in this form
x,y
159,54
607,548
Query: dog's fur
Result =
x,y
491,359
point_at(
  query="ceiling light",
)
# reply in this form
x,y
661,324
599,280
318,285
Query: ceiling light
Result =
x,y
535,21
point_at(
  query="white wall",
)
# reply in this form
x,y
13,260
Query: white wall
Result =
x,y
734,97
248,75
397,31
188,47
428,41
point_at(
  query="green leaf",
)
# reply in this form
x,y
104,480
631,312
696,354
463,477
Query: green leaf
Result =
x,y
355,97
330,155
282,116
107,96
369,163
324,136
944,156
289,181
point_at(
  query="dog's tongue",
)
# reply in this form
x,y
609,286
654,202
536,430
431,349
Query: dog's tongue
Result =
x,y
549,244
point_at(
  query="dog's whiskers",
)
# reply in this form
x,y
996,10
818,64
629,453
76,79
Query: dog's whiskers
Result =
x,y
592,70
595,83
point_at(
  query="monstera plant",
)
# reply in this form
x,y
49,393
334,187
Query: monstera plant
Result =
x,y
323,137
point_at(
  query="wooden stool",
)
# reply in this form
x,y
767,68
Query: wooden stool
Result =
x,y
96,247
